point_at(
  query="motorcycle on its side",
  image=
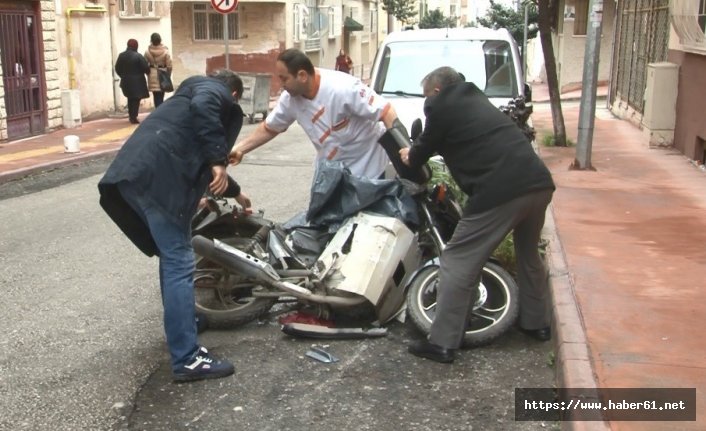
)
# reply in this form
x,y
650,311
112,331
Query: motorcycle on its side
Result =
x,y
369,267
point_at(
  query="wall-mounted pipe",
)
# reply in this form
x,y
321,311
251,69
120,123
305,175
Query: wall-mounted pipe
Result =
x,y
69,45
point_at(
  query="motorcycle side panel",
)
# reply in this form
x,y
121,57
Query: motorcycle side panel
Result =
x,y
370,256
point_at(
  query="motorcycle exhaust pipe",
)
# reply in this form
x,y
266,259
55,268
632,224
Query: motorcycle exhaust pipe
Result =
x,y
252,267
303,293
234,259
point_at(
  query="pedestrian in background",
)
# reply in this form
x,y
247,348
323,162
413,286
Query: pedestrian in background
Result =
x,y
343,62
153,187
158,57
131,67
508,188
342,117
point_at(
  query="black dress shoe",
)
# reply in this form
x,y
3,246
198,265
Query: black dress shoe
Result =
x,y
425,349
134,121
542,334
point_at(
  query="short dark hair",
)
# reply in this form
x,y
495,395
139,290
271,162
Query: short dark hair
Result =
x,y
441,77
156,39
230,78
296,60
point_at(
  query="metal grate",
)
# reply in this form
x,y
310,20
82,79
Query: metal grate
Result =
x,y
642,38
22,77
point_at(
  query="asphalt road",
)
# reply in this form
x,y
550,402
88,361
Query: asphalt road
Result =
x,y
83,348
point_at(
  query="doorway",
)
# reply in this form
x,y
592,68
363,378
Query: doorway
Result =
x,y
23,74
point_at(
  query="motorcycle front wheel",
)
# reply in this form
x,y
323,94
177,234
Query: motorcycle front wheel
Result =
x,y
494,312
224,297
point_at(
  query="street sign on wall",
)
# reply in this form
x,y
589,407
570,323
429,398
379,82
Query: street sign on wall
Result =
x,y
224,6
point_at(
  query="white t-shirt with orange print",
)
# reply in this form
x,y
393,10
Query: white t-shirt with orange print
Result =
x,y
342,121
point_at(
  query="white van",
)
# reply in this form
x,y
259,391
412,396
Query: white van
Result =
x,y
488,58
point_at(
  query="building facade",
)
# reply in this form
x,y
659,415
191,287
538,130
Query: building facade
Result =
x,y
57,57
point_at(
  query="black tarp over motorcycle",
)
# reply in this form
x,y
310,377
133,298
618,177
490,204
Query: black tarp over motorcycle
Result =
x,y
364,248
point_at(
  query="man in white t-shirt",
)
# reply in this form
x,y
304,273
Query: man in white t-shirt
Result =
x,y
343,117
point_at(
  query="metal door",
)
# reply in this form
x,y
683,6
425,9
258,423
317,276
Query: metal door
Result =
x,y
641,38
23,77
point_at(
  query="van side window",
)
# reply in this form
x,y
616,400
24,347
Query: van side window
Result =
x,y
499,69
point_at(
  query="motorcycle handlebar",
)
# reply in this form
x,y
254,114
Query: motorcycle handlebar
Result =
x,y
393,140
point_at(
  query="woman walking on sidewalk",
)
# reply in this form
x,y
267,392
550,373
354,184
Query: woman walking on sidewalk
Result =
x,y
131,67
158,57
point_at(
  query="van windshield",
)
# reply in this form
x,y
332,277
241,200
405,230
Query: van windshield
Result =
x,y
486,63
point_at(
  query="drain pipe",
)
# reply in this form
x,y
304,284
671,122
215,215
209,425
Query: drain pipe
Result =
x,y
111,26
69,45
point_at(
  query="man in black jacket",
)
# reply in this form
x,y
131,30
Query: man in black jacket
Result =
x,y
509,189
131,67
153,187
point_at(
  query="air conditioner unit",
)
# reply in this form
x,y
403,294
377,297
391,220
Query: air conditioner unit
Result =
x,y
660,108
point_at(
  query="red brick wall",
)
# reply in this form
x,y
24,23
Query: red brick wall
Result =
x,y
252,63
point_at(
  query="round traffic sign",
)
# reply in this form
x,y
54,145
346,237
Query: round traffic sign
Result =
x,y
224,6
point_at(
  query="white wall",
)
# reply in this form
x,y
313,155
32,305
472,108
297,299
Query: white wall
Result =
x,y
92,68
570,50
93,45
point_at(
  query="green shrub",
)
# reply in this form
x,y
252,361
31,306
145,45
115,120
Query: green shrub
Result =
x,y
549,140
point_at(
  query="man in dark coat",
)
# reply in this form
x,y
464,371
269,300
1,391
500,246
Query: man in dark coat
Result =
x,y
153,187
509,189
131,67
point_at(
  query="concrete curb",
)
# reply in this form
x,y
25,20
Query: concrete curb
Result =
x,y
568,99
573,363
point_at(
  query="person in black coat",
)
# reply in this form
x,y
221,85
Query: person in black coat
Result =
x,y
151,191
509,189
131,67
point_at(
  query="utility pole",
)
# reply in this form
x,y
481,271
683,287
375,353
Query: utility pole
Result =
x,y
226,38
587,109
524,46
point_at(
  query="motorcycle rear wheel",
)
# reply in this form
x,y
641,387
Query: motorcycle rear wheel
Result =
x,y
226,298
494,312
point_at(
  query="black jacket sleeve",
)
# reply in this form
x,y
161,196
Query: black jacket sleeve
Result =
x,y
207,105
233,190
427,143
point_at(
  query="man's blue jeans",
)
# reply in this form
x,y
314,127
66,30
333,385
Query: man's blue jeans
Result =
x,y
176,275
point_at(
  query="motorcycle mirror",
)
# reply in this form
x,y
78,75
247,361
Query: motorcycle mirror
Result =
x,y
416,129
321,355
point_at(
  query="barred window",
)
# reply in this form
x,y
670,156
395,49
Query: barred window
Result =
x,y
136,8
208,24
702,14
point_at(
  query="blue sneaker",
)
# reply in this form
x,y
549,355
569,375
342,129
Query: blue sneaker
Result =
x,y
202,366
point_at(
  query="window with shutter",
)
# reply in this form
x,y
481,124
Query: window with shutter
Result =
x,y
136,8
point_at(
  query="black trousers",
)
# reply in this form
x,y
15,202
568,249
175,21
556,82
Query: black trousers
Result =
x,y
133,108
158,98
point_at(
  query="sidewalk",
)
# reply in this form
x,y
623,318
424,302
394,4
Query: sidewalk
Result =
x,y
626,252
540,93
627,275
46,152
